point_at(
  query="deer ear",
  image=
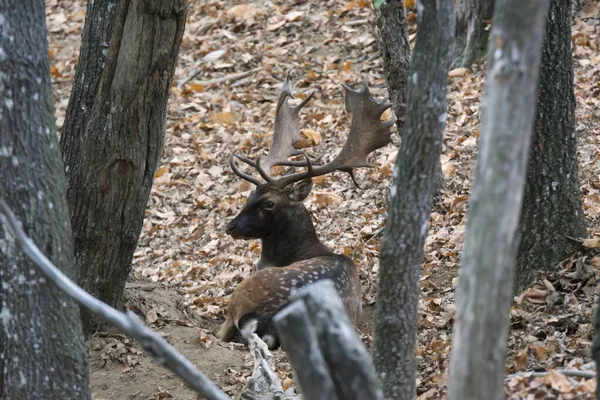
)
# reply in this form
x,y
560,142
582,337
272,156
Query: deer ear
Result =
x,y
301,190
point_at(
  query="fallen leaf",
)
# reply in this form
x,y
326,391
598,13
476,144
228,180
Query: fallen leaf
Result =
x,y
521,360
226,118
557,381
294,16
458,72
312,135
161,171
591,243
274,27
151,316
327,199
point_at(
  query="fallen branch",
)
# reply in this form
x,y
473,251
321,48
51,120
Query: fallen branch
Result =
x,y
212,56
228,78
566,372
150,341
264,383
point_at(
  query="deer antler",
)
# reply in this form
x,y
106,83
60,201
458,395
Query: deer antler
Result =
x,y
367,134
286,133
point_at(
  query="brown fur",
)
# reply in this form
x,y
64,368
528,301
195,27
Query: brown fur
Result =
x,y
267,292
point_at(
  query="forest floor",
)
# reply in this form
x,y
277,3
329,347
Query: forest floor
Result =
x,y
186,266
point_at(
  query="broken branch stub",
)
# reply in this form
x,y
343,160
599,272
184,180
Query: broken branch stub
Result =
x,y
299,339
348,360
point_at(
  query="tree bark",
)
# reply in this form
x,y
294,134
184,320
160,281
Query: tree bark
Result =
x,y
596,347
401,255
350,366
552,209
395,52
114,134
42,355
484,293
471,34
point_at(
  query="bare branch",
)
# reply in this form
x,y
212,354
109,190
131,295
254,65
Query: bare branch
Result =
x,y
227,78
566,372
152,342
264,383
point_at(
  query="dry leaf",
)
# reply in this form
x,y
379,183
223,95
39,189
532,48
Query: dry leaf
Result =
x,y
55,72
591,243
151,316
242,11
448,169
557,381
161,171
327,199
294,16
458,72
226,117
540,351
274,27
313,136
470,142
194,87
521,360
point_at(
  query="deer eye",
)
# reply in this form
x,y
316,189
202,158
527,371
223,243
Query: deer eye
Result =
x,y
268,205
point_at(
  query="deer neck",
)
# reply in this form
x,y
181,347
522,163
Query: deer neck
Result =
x,y
294,239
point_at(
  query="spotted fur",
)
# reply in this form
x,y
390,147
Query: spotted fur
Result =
x,y
257,299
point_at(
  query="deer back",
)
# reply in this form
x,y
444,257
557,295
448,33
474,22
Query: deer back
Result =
x,y
257,299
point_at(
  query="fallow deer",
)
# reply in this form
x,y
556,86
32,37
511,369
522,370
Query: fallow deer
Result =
x,y
291,254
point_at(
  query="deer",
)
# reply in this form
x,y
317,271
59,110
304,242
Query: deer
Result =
x,y
292,255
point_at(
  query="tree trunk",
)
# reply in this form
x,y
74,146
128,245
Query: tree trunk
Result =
x,y
114,133
552,209
395,52
401,255
596,347
484,293
42,355
472,37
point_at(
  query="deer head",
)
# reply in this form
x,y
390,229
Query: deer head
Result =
x,y
277,201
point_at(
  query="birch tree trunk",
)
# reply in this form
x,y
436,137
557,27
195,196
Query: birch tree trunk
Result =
x,y
42,355
552,209
412,191
484,293
114,134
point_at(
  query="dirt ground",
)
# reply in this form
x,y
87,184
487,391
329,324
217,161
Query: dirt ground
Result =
x,y
186,266
121,371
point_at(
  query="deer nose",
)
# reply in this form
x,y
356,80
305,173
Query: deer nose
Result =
x,y
231,227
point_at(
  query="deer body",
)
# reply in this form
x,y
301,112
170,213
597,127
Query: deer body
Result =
x,y
257,299
292,255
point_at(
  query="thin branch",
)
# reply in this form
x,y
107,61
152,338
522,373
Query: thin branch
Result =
x,y
228,78
153,343
566,372
212,56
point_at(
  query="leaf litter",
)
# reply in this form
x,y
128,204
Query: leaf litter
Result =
x,y
183,246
